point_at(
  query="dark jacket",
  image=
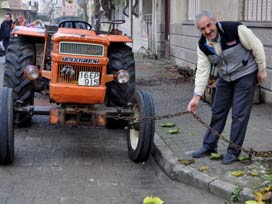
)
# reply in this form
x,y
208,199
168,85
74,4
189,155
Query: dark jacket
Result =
x,y
5,29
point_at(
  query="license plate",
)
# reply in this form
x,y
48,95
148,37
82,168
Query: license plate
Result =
x,y
89,78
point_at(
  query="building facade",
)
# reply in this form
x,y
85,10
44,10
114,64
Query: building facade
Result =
x,y
26,8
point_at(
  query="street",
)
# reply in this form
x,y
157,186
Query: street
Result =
x,y
84,165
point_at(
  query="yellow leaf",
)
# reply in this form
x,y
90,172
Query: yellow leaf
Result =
x,y
237,173
251,202
258,196
152,200
157,200
148,200
203,168
186,162
254,173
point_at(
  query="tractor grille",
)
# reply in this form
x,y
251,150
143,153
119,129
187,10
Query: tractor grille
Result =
x,y
87,49
73,79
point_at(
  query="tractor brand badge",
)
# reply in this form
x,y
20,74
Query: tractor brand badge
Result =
x,y
80,60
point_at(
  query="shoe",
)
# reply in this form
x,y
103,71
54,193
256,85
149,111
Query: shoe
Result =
x,y
229,158
202,152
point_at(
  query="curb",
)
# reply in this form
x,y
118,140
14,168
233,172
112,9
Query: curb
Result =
x,y
191,176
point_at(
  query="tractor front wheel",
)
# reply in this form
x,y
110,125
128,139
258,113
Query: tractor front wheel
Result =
x,y
140,134
6,126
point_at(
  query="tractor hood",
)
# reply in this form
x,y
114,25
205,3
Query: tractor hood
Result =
x,y
79,35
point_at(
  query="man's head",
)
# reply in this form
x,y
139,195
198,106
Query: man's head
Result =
x,y
21,20
206,23
8,16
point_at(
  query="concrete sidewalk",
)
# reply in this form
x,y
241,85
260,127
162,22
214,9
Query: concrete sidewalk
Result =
x,y
171,93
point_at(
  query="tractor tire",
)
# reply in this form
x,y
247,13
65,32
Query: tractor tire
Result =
x,y
140,134
6,126
20,53
120,95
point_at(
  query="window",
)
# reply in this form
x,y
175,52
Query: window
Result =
x,y
193,9
258,10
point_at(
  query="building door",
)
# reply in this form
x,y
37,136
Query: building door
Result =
x,y
167,30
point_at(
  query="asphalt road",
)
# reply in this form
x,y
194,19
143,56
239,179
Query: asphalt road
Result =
x,y
84,165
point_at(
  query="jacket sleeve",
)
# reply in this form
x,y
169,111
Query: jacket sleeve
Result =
x,y
202,72
249,40
1,31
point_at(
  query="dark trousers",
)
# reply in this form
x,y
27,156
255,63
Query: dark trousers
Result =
x,y
5,42
239,95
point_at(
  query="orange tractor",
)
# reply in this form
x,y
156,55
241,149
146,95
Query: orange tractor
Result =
x,y
88,76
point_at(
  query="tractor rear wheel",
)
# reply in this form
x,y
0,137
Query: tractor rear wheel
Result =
x,y
120,95
20,53
6,126
140,135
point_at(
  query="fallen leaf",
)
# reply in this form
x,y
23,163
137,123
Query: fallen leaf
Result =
x,y
168,124
251,202
268,177
243,158
173,131
216,156
186,162
152,200
258,196
203,168
253,173
237,173
267,195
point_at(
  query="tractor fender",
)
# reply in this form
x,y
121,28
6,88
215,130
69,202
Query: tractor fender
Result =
x,y
30,31
117,38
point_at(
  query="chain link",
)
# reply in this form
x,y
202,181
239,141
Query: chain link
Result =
x,y
250,152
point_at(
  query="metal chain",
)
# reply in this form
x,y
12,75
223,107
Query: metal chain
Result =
x,y
251,152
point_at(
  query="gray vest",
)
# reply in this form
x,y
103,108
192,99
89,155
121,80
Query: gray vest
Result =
x,y
235,63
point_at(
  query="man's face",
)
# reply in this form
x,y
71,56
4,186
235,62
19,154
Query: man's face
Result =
x,y
207,27
7,17
21,19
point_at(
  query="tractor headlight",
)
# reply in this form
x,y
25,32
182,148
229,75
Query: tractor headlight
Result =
x,y
31,72
122,76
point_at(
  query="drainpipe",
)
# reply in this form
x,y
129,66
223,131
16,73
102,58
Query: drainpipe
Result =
x,y
131,18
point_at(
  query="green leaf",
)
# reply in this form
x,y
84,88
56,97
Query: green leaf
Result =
x,y
203,168
235,195
186,162
168,124
268,177
243,158
238,173
173,131
216,156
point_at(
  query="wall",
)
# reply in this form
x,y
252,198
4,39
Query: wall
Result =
x,y
184,36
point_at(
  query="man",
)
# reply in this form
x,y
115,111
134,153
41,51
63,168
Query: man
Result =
x,y
5,30
239,58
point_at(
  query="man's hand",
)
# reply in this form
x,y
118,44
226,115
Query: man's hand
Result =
x,y
193,105
261,76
